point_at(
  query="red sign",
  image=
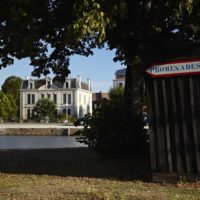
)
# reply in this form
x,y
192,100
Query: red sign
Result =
x,y
174,68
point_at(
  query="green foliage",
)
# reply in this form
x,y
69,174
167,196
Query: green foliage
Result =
x,y
71,118
44,109
140,31
12,86
152,31
61,117
14,107
116,92
8,107
111,132
68,27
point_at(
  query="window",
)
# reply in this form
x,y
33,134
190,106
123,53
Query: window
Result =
x,y
33,99
64,98
49,84
84,100
79,98
28,113
28,99
48,96
55,112
31,85
69,111
55,98
69,99
67,84
80,111
64,111
120,84
42,96
32,112
88,108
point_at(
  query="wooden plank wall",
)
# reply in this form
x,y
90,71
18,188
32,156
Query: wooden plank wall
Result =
x,y
174,109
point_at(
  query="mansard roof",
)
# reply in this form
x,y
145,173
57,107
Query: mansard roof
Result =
x,y
121,72
56,84
24,84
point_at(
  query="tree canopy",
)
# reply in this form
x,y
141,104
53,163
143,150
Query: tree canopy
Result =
x,y
148,30
12,86
8,107
142,32
44,109
69,27
31,28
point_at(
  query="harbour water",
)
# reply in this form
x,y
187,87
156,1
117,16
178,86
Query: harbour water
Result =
x,y
38,142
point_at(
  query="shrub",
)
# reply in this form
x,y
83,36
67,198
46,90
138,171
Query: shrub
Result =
x,y
114,130
61,117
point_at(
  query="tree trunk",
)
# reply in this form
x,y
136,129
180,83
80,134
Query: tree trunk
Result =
x,y
133,86
129,85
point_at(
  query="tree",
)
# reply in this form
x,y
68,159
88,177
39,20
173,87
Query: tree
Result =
x,y
8,107
12,86
116,92
146,32
142,32
44,109
13,111
67,27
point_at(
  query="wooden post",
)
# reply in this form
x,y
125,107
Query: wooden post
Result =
x,y
194,125
151,126
176,130
169,156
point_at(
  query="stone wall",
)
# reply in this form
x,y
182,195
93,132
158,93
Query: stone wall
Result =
x,y
38,131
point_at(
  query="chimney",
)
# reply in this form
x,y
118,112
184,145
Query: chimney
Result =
x,y
79,81
89,84
29,80
48,82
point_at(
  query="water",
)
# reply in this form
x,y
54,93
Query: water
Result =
x,y
38,142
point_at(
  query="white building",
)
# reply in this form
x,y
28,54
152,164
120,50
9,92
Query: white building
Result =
x,y
72,97
120,77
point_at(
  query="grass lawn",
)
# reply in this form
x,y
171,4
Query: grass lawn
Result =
x,y
78,174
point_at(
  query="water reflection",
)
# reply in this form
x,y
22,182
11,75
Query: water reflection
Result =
x,y
38,142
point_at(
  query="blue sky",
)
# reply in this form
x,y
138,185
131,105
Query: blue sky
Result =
x,y
99,68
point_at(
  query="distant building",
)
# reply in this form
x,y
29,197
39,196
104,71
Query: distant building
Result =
x,y
120,77
72,96
98,97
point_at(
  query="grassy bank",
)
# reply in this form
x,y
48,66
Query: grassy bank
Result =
x,y
45,187
78,174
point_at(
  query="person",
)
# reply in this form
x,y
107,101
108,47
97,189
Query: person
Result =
x,y
145,122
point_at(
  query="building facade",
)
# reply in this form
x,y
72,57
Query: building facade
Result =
x,y
71,97
120,77
97,98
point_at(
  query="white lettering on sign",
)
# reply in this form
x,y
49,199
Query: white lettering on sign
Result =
x,y
185,67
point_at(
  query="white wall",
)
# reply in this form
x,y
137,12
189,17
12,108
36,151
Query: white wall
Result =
x,y
75,100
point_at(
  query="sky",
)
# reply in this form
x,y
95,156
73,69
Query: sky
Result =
x,y
99,68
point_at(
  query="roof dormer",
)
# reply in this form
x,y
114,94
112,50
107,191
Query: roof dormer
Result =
x,y
31,84
48,82
67,83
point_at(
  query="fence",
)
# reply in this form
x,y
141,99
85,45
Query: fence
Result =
x,y
174,112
